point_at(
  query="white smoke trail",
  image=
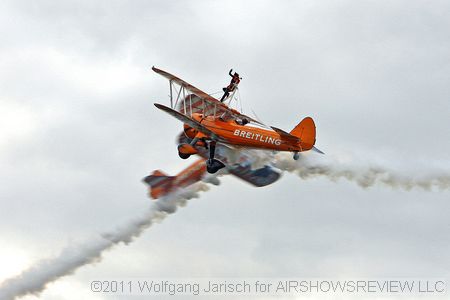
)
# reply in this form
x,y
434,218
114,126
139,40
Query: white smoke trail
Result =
x,y
35,279
365,173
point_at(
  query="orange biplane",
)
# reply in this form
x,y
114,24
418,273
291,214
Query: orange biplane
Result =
x,y
240,164
208,121
162,184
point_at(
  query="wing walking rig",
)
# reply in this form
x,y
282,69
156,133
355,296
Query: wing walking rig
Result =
x,y
190,99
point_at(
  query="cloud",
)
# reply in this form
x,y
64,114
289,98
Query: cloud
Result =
x,y
79,131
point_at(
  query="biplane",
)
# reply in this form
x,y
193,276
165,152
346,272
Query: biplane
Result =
x,y
208,121
240,164
162,184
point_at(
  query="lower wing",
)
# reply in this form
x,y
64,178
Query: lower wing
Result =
x,y
185,119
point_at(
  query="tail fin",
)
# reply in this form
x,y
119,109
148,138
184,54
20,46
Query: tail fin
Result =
x,y
160,183
306,132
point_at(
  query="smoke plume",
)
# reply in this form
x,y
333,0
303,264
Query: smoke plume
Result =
x,y
365,173
35,279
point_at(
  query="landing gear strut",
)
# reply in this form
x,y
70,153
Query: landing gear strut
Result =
x,y
213,165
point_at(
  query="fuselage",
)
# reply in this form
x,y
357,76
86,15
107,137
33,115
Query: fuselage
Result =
x,y
161,184
191,174
246,135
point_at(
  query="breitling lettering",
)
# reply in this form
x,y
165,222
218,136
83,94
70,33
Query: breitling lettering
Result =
x,y
257,137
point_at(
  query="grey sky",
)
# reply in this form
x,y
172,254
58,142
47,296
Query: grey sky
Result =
x,y
78,131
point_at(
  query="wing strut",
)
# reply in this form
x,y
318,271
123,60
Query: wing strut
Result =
x,y
219,107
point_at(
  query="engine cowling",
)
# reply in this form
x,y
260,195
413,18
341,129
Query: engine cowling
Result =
x,y
189,131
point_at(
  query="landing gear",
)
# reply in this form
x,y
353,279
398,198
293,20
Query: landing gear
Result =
x,y
213,165
296,156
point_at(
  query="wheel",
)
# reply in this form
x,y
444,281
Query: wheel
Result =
x,y
214,165
211,169
296,156
183,155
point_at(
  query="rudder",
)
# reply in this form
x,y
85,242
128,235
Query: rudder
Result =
x,y
306,132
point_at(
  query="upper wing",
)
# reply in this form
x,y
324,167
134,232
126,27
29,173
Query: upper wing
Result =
x,y
191,122
211,104
188,86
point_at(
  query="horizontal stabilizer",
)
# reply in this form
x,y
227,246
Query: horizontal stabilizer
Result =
x,y
156,180
160,183
284,134
159,173
317,150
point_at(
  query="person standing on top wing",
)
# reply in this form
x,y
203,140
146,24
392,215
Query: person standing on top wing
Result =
x,y
235,79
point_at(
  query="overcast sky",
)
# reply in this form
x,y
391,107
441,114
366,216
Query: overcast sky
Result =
x,y
78,131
